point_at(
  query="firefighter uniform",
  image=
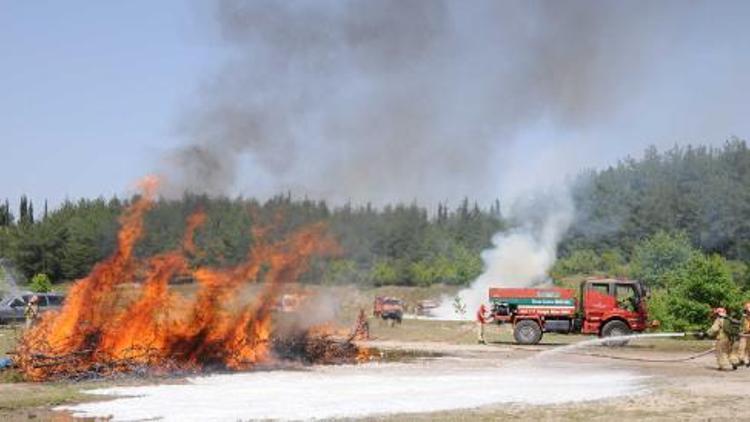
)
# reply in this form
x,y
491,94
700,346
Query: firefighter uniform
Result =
x,y
723,342
362,327
31,312
743,354
482,319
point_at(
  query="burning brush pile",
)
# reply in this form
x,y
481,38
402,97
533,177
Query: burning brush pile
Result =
x,y
104,329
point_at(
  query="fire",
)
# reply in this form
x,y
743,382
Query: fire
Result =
x,y
123,315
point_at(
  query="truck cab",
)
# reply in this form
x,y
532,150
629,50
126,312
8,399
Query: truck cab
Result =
x,y
612,307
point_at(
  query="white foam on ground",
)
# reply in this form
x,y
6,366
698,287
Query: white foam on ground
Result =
x,y
355,391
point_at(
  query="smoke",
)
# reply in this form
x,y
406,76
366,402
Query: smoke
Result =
x,y
313,310
8,277
434,100
520,257
431,100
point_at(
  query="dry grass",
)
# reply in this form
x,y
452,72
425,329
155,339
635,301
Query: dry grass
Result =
x,y
20,396
8,337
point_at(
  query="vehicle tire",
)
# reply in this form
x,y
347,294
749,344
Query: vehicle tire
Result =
x,y
527,331
615,328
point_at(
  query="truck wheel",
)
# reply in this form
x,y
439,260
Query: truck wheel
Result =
x,y
615,329
527,332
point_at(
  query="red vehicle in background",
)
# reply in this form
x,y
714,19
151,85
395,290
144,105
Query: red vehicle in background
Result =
x,y
389,309
605,307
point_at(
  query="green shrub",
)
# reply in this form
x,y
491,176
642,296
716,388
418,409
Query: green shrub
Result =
x,y
384,273
656,259
740,273
468,265
422,273
613,263
40,283
583,261
342,271
704,283
659,309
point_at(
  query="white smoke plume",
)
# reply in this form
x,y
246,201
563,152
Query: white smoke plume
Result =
x,y
520,257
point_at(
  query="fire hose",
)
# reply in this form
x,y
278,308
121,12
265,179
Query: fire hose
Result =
x,y
699,335
635,359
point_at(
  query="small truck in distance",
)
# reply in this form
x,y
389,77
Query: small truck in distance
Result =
x,y
389,309
605,307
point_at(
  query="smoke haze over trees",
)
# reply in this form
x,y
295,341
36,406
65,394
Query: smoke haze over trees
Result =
x,y
698,191
701,191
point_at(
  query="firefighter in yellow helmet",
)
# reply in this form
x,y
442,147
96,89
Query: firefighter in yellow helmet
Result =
x,y
743,351
720,331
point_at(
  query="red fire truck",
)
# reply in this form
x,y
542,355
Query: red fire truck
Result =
x,y
605,307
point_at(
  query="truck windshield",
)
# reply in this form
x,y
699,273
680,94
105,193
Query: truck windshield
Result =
x,y
627,297
601,288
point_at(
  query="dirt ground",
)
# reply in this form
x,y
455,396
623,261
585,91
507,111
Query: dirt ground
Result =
x,y
676,390
677,387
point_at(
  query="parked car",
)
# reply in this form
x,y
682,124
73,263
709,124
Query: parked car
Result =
x,y
12,306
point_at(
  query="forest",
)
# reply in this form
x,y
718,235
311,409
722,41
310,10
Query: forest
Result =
x,y
400,244
652,217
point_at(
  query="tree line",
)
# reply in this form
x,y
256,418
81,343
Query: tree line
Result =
x,y
394,244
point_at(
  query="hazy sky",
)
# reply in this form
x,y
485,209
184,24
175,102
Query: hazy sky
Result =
x,y
319,97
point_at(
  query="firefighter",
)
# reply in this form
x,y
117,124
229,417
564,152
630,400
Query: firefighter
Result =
x,y
742,349
483,317
362,327
31,312
720,330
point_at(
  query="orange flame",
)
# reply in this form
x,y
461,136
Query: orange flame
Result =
x,y
106,318
195,220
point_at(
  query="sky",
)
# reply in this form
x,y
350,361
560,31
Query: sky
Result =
x,y
368,101
90,91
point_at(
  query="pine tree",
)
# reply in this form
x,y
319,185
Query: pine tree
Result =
x,y
23,210
4,215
